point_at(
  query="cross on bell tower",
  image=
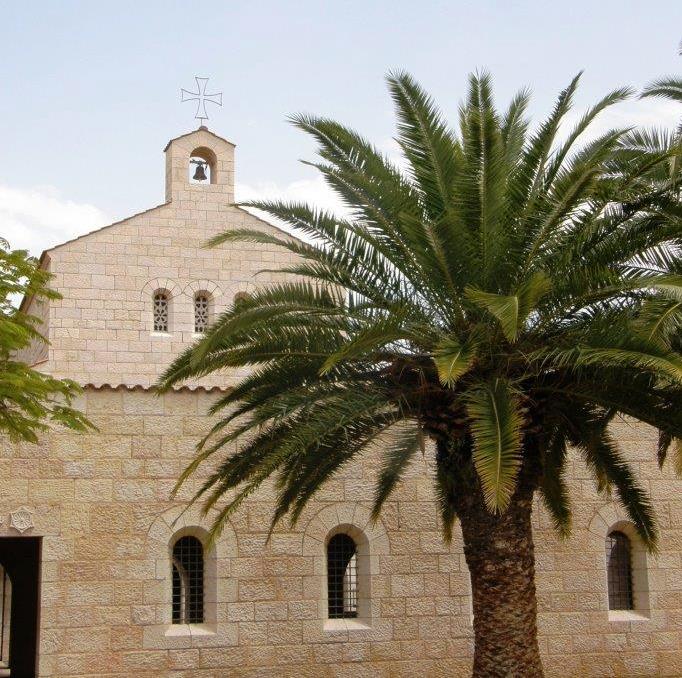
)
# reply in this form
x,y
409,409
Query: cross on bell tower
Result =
x,y
202,98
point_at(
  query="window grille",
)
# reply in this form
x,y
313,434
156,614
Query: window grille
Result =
x,y
160,312
188,581
201,307
619,571
342,577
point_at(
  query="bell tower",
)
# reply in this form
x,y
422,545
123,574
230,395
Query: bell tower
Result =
x,y
200,167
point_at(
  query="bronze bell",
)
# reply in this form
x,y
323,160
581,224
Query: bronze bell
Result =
x,y
199,173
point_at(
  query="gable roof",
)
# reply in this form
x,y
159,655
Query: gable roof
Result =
x,y
44,260
203,128
102,228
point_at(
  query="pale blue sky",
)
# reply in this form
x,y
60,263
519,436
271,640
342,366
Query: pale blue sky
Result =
x,y
90,90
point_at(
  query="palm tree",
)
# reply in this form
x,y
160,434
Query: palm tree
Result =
x,y
507,295
668,88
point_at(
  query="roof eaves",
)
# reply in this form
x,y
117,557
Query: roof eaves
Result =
x,y
102,228
102,386
201,129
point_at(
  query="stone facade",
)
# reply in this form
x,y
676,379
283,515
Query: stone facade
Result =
x,y
101,501
101,331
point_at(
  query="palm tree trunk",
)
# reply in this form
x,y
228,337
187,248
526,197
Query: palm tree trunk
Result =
x,y
499,553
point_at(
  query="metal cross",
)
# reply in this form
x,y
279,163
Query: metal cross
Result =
x,y
202,98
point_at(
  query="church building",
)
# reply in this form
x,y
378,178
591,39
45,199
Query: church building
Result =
x,y
103,574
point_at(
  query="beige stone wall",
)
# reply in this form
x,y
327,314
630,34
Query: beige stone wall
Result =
x,y
101,503
101,331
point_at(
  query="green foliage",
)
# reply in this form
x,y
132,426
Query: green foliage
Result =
x,y
668,88
452,360
29,400
505,293
512,310
495,422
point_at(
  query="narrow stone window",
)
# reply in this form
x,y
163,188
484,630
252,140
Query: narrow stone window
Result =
x,y
188,581
202,308
342,577
161,308
619,571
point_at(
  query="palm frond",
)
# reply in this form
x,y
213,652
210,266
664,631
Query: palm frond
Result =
x,y
553,488
602,455
669,88
496,429
512,310
397,450
453,359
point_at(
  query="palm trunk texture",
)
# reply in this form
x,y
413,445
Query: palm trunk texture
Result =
x,y
501,560
500,555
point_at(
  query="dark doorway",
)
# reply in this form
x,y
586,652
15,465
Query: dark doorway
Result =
x,y
20,591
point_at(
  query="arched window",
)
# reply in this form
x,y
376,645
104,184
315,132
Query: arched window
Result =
x,y
619,571
161,311
188,581
202,311
241,297
342,577
202,166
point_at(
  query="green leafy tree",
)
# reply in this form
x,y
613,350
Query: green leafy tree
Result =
x,y
506,295
29,400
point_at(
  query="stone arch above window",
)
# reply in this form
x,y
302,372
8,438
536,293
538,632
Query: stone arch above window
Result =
x,y
157,297
610,527
165,627
160,284
202,285
353,521
203,166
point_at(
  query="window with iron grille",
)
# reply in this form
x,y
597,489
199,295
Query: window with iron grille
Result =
x,y
342,577
188,581
160,312
201,312
619,571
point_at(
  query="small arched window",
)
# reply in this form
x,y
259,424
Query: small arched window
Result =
x,y
202,311
161,311
240,298
619,571
188,581
202,166
342,577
